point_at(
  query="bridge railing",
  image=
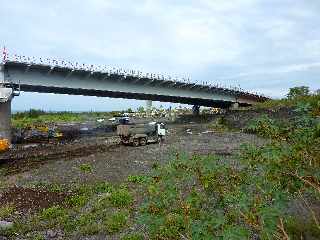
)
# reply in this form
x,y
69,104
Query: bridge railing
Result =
x,y
75,66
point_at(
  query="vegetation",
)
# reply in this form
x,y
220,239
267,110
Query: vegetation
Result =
x,y
121,197
116,222
6,211
220,125
204,197
86,168
201,198
90,210
298,92
137,178
295,98
39,117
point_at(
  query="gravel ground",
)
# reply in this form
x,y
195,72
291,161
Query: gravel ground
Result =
x,y
110,161
60,163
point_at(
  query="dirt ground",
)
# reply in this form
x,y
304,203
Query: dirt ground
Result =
x,y
110,161
26,167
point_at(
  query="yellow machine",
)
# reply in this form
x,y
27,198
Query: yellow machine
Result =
x,y
4,145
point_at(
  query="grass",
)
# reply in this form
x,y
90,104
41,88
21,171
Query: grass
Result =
x,y
51,187
204,197
86,168
121,197
116,222
6,211
77,201
133,236
54,213
137,179
220,125
312,100
39,117
99,208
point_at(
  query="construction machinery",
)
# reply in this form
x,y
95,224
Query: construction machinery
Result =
x,y
141,134
4,145
36,134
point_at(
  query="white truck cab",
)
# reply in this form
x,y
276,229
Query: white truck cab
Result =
x,y
161,129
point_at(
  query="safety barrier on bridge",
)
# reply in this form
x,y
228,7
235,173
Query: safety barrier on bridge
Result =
x,y
75,66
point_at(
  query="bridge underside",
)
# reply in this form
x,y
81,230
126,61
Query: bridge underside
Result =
x,y
53,79
125,95
28,76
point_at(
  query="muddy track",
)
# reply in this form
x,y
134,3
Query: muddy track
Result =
x,y
26,159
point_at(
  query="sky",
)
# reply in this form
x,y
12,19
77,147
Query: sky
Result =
x,y
266,46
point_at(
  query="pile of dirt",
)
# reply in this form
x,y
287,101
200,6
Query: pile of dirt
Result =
x,y
238,119
27,199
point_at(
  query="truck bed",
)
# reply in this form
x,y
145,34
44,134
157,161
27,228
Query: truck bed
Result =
x,y
127,130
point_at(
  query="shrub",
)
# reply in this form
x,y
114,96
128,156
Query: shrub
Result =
x,y
116,222
265,127
56,216
77,200
137,179
121,197
89,224
103,187
6,211
86,168
298,92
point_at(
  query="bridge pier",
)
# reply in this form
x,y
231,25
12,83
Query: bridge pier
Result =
x,y
234,106
148,107
6,95
196,110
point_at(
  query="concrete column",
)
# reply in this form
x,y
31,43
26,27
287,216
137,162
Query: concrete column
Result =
x,y
6,95
5,120
196,110
148,107
234,106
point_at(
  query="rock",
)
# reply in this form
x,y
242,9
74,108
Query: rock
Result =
x,y
51,234
3,238
4,225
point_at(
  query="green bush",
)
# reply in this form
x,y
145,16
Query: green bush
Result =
x,y
6,211
116,222
77,200
137,179
103,187
86,168
296,92
266,127
121,197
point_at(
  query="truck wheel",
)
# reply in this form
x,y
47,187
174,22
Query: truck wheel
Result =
x,y
143,141
160,139
136,142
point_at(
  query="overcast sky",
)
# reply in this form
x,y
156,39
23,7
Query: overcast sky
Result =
x,y
261,45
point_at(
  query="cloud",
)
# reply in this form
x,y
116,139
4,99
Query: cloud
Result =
x,y
277,70
208,40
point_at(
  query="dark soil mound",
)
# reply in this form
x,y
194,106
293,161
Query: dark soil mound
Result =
x,y
27,199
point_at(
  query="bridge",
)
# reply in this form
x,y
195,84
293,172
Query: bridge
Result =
x,y
20,73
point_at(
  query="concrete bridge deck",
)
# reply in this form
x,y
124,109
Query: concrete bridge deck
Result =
x,y
51,76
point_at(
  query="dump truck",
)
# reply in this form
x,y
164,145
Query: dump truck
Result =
x,y
4,145
141,134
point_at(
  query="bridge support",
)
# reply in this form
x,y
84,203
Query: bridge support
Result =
x,y
196,110
6,95
234,106
148,107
